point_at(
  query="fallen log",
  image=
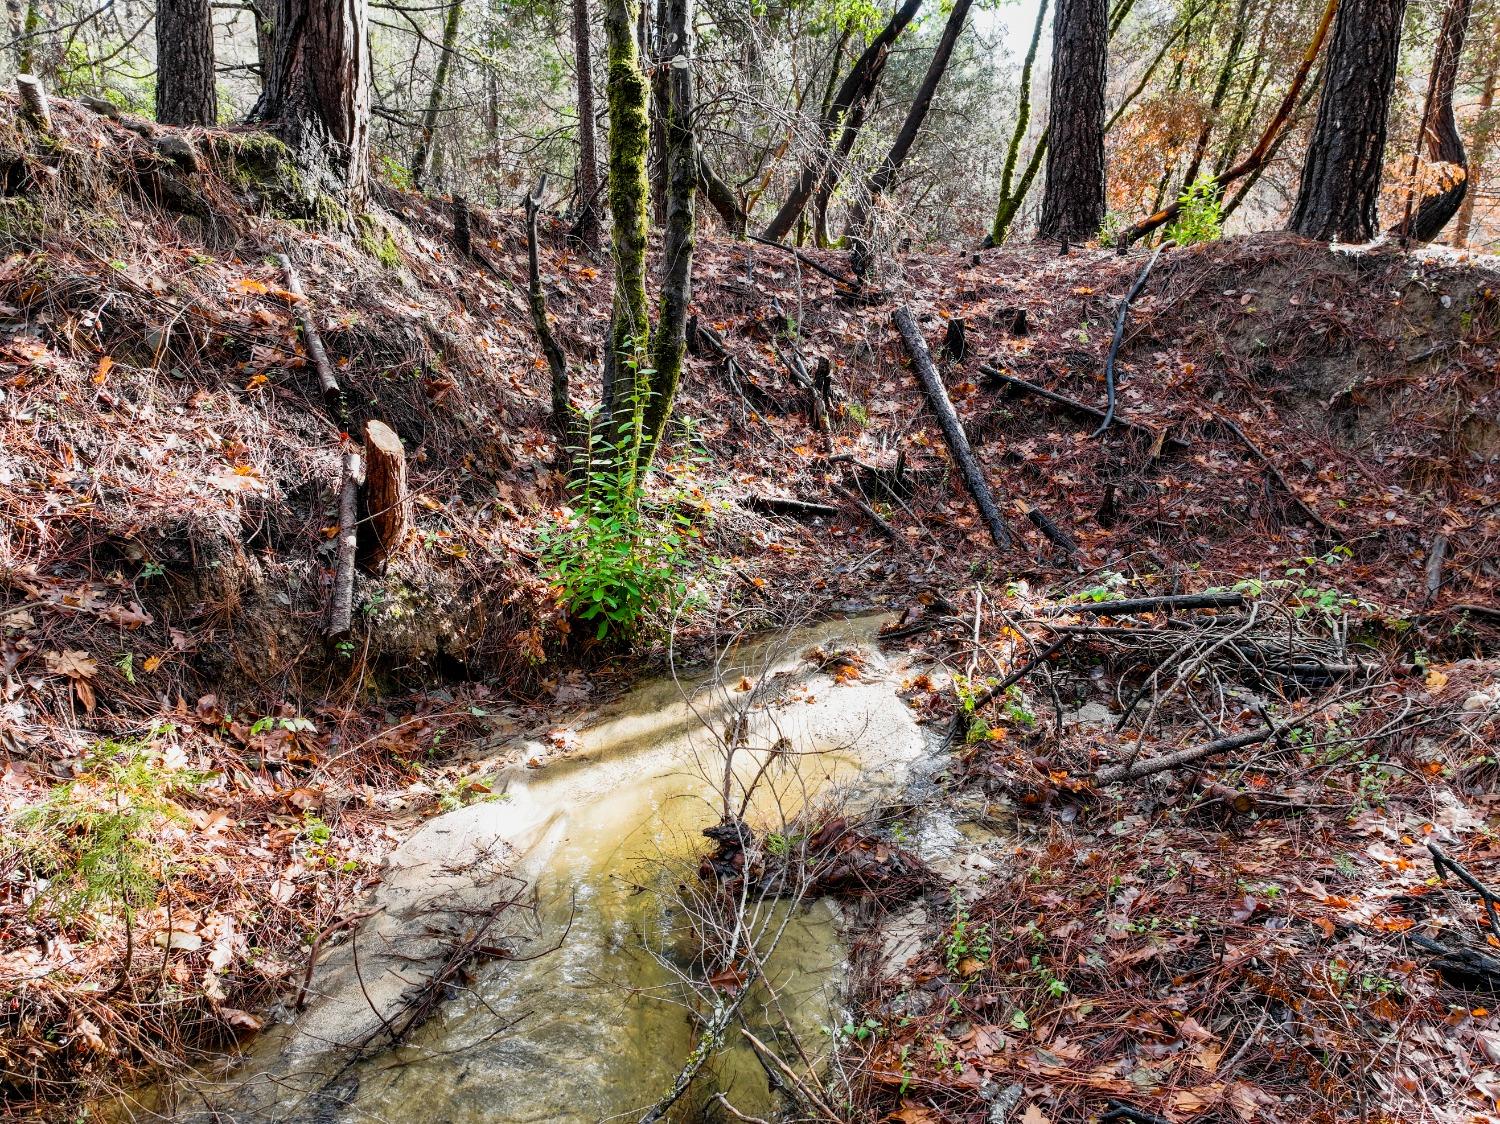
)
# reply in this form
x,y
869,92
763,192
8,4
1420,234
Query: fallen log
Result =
x,y
1078,407
317,354
1055,534
1225,600
341,604
953,430
1139,769
781,505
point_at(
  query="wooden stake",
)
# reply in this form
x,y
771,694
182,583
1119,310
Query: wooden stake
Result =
x,y
387,505
953,430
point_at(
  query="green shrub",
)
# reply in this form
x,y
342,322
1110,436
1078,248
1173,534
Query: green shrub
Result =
x,y
1201,218
620,555
97,838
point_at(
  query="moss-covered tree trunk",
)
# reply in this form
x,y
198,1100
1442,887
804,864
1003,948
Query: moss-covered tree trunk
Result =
x,y
628,343
680,149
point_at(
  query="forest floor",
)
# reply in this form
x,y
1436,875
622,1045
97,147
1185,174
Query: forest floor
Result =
x,y
1318,429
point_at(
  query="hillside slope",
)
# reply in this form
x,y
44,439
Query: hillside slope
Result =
x,y
169,479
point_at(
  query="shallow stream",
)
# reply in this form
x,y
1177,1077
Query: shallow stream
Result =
x,y
598,1021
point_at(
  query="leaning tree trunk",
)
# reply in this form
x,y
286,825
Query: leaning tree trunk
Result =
x,y
1481,150
185,92
1010,201
629,339
586,225
426,150
680,150
318,94
1441,138
852,94
1340,188
879,182
1073,202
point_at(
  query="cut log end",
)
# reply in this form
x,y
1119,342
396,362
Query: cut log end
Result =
x,y
387,504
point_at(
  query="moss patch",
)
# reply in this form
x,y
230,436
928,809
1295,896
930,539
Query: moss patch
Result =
x,y
375,239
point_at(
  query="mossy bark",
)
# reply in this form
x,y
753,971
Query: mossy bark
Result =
x,y
625,389
680,150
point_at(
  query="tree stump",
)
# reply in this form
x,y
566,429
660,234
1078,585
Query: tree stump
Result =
x,y
387,505
34,105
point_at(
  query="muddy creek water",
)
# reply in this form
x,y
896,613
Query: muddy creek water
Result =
x,y
597,1021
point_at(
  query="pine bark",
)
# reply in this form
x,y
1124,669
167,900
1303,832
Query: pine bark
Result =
x,y
318,94
1073,202
586,225
185,93
1340,189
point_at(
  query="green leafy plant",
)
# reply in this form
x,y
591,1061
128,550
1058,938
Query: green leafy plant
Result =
x,y
965,939
620,554
1201,217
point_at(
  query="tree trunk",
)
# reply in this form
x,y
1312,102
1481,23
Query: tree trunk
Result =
x,y
852,94
629,339
1340,188
1073,203
1221,91
421,165
586,225
185,92
879,182
1010,202
1444,143
721,197
654,54
318,95
680,146
262,12
1481,150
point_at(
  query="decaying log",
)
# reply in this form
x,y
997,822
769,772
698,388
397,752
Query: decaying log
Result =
x,y
953,430
1435,565
956,340
341,604
1134,772
387,504
1223,600
1055,534
800,509
35,108
1276,474
333,397
1078,407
